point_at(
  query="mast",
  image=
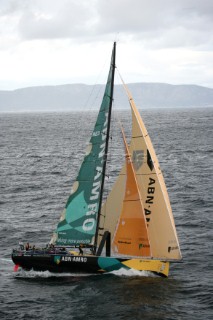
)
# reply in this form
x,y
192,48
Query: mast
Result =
x,y
107,143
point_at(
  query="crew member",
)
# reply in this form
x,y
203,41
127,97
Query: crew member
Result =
x,y
80,250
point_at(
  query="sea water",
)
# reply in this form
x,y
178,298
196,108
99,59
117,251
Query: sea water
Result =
x,y
40,154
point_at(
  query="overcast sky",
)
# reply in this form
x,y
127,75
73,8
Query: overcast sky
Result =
x,y
51,42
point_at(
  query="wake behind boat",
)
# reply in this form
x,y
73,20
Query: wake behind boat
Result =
x,y
136,221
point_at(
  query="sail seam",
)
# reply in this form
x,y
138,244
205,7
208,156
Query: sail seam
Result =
x,y
132,200
142,136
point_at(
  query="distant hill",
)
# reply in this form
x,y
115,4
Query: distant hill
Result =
x,y
83,97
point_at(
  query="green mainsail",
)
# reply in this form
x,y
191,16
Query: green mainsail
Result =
x,y
79,221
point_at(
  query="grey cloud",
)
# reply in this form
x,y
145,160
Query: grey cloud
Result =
x,y
67,19
8,7
155,22
160,22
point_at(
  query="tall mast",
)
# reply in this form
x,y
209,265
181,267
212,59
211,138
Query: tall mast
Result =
x,y
107,142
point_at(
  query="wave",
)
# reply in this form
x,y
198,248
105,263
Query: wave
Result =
x,y
7,260
47,274
32,274
132,273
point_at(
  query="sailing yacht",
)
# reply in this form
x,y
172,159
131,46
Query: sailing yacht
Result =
x,y
136,221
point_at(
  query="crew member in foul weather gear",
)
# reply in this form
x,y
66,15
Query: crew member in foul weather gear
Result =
x,y
21,245
80,250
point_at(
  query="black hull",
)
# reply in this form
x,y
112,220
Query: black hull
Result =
x,y
66,263
48,262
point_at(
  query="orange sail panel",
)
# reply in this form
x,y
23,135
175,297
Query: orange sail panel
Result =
x,y
131,236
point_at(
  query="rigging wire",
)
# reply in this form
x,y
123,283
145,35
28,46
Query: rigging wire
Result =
x,y
115,134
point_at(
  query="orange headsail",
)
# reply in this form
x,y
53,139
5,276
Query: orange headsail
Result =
x,y
131,236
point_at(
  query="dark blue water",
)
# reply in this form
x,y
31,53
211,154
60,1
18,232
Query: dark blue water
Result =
x,y
39,158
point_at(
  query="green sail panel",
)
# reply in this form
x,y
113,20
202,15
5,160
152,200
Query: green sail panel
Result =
x,y
79,221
